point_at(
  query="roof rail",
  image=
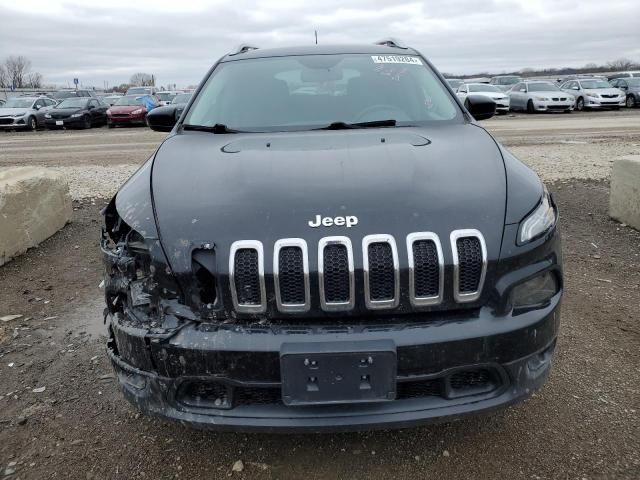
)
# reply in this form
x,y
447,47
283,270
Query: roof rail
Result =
x,y
242,48
391,42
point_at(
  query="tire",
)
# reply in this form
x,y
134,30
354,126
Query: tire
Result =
x,y
580,104
630,101
86,122
530,108
32,124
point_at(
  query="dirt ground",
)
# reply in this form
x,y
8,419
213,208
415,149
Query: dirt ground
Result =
x,y
584,424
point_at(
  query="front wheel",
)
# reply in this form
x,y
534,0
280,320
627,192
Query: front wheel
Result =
x,y
630,101
580,104
530,107
32,124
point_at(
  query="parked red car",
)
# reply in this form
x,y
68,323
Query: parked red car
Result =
x,y
131,110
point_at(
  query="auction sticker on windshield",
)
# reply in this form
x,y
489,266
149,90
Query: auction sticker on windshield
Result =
x,y
396,59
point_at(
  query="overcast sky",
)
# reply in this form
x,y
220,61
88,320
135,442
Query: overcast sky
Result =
x,y
178,41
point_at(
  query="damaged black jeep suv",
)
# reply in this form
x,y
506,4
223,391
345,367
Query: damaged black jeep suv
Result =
x,y
328,240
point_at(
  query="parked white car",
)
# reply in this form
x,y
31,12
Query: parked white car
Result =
x,y
539,96
491,91
594,93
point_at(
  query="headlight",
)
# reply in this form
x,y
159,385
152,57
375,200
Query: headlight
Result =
x,y
109,112
535,291
593,95
538,222
47,115
76,115
136,112
543,99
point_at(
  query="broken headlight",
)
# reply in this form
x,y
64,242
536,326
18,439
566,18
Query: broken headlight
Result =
x,y
539,222
535,291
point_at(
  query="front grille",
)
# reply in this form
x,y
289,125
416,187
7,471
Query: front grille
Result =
x,y
469,379
291,271
609,96
247,277
59,116
381,271
336,276
6,121
469,264
380,262
426,268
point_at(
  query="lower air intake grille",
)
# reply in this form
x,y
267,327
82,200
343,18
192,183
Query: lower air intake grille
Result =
x,y
291,275
469,379
247,276
426,268
381,271
336,273
470,264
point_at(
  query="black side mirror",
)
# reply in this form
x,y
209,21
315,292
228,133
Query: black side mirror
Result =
x,y
480,107
91,107
162,119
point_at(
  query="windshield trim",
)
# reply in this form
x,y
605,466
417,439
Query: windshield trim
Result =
x,y
461,115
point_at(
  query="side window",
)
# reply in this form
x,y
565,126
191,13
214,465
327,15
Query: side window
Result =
x,y
463,89
94,103
39,104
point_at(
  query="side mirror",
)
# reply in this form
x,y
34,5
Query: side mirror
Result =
x,y
480,107
38,107
91,107
162,119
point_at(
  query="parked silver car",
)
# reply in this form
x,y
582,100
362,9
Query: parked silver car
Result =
x,y
484,89
538,96
505,82
24,112
594,93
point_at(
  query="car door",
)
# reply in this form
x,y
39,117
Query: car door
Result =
x,y
517,96
40,109
94,110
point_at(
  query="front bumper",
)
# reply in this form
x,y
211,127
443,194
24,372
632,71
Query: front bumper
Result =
x,y
16,122
591,102
66,122
228,377
128,120
553,106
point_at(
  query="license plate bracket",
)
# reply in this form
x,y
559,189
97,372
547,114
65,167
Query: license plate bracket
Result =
x,y
329,373
59,122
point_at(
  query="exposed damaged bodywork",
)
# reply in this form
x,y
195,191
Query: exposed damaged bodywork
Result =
x,y
237,297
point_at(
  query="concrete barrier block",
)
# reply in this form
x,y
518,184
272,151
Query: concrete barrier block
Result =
x,y
34,204
624,201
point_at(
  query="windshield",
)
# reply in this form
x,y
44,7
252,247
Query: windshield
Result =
x,y
165,96
77,102
543,87
595,84
182,98
314,91
507,80
138,90
65,94
633,82
484,88
130,100
18,103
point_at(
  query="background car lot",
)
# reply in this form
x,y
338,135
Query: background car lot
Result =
x,y
583,424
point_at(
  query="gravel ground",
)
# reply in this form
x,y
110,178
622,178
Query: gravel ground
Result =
x,y
96,181
583,424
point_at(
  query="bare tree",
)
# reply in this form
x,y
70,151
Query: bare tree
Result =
x,y
142,80
34,80
3,77
17,70
620,64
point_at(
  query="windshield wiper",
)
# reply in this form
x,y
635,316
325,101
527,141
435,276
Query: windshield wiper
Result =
x,y
347,126
217,128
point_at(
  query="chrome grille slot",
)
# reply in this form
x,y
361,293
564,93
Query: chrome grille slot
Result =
x,y
426,268
335,273
381,275
291,275
469,264
246,268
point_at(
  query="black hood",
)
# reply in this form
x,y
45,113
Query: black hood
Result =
x,y
216,189
66,112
